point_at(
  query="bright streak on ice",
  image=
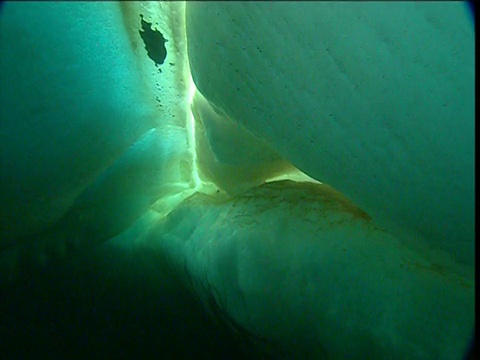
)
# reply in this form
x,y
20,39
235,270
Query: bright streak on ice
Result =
x,y
197,182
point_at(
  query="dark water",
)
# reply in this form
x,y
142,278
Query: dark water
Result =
x,y
108,305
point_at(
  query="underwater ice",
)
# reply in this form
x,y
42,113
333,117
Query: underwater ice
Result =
x,y
220,177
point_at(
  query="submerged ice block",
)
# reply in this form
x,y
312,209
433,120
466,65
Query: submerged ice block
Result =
x,y
310,276
374,99
77,91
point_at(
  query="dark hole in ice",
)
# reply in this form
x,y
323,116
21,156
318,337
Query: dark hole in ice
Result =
x,y
154,42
